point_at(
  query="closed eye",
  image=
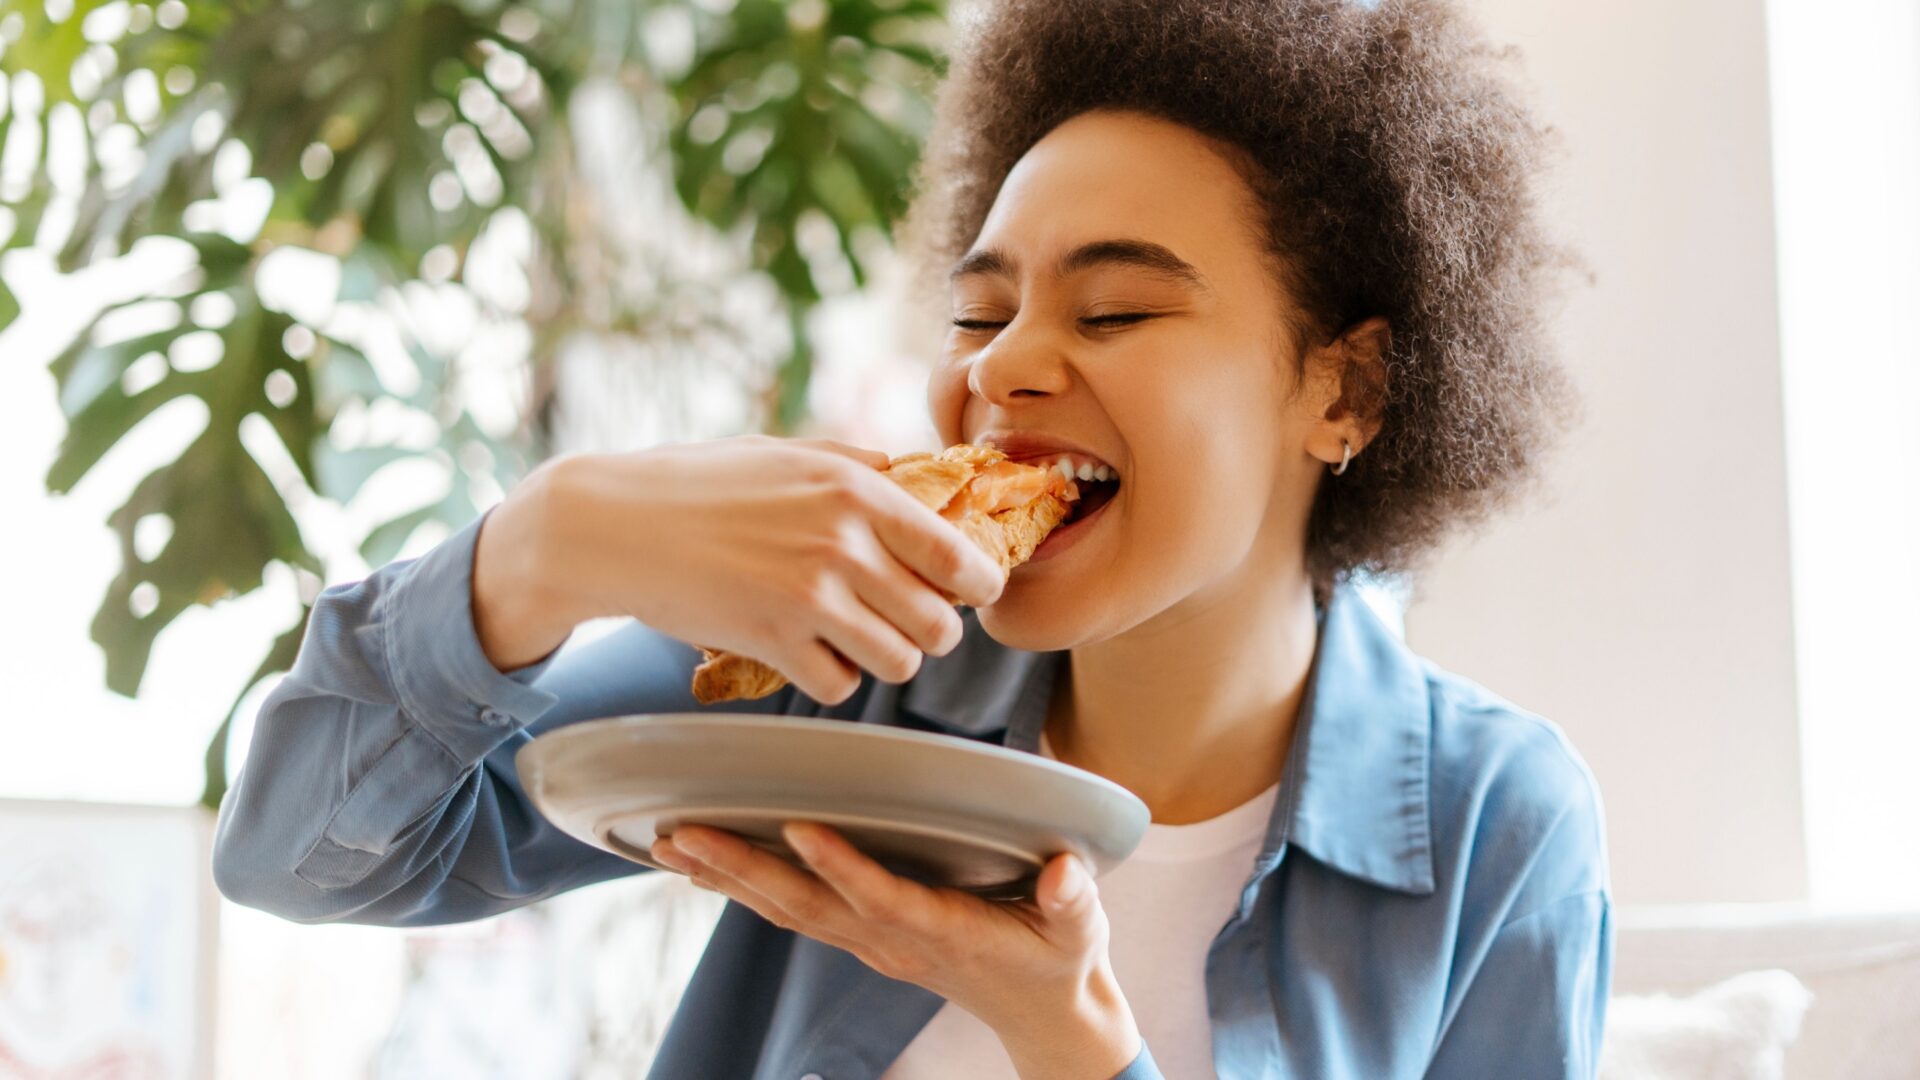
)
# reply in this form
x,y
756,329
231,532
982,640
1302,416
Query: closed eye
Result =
x,y
1125,318
1118,319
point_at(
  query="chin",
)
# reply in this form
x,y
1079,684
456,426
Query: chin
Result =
x,y
1037,619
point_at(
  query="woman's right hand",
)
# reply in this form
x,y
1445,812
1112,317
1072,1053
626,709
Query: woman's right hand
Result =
x,y
797,552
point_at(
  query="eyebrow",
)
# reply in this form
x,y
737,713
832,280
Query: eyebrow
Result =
x,y
1140,254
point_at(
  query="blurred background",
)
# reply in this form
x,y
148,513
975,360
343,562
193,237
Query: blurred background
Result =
x,y
292,289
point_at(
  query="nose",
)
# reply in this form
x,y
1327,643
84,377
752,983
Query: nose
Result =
x,y
1018,363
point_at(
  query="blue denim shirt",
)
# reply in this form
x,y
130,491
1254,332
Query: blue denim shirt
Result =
x,y
1431,898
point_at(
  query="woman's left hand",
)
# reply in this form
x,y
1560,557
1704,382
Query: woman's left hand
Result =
x,y
1035,971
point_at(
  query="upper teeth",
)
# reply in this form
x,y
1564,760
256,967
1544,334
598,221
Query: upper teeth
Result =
x,y
1084,470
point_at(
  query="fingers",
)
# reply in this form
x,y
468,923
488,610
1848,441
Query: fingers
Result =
x,y
844,637
905,601
861,635
819,672
781,893
932,546
872,891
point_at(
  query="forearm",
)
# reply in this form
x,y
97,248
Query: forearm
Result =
x,y
1094,1037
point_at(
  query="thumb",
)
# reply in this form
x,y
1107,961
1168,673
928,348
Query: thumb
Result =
x,y
1071,894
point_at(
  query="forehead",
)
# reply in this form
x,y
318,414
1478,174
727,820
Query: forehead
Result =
x,y
1105,172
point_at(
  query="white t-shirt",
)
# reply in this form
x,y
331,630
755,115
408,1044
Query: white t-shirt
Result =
x,y
1164,904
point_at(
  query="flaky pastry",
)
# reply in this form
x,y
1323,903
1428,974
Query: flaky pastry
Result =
x,y
1006,508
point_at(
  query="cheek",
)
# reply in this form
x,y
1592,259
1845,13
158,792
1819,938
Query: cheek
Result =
x,y
947,400
1215,419
1178,538
1206,451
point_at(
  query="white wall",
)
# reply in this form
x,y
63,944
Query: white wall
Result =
x,y
1646,604
1846,105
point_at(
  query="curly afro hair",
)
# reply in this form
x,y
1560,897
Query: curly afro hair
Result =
x,y
1393,164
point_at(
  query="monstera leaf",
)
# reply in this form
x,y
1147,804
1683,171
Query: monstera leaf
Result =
x,y
793,111
117,72
389,134
377,118
37,54
222,516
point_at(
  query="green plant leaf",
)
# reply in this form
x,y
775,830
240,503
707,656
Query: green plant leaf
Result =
x,y
764,79
227,518
350,110
384,543
53,47
387,129
774,125
343,472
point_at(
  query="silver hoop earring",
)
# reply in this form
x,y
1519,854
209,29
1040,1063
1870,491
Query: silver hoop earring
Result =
x,y
1346,455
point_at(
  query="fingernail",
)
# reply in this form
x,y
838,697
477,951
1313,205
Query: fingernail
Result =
x,y
693,846
670,858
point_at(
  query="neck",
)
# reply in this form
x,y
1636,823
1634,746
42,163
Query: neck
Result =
x,y
1194,709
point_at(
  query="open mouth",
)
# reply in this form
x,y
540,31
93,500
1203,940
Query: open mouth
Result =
x,y
1094,494
1096,481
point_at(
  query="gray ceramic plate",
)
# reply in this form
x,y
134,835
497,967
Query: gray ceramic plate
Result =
x,y
939,809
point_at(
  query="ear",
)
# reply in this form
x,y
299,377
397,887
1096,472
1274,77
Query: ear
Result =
x,y
1349,378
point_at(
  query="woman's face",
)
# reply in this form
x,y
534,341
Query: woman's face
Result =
x,y
1118,299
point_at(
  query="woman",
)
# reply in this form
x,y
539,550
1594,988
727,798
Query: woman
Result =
x,y
1274,263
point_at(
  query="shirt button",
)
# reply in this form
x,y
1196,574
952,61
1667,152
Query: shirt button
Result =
x,y
493,716
811,1076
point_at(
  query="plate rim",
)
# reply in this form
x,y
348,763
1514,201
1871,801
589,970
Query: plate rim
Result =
x,y
840,726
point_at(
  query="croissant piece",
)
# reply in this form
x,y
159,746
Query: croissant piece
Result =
x,y
1006,508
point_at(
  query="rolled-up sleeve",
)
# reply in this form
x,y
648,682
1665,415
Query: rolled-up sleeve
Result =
x,y
379,785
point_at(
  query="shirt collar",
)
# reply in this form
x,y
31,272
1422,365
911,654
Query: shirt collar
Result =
x,y
1354,792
